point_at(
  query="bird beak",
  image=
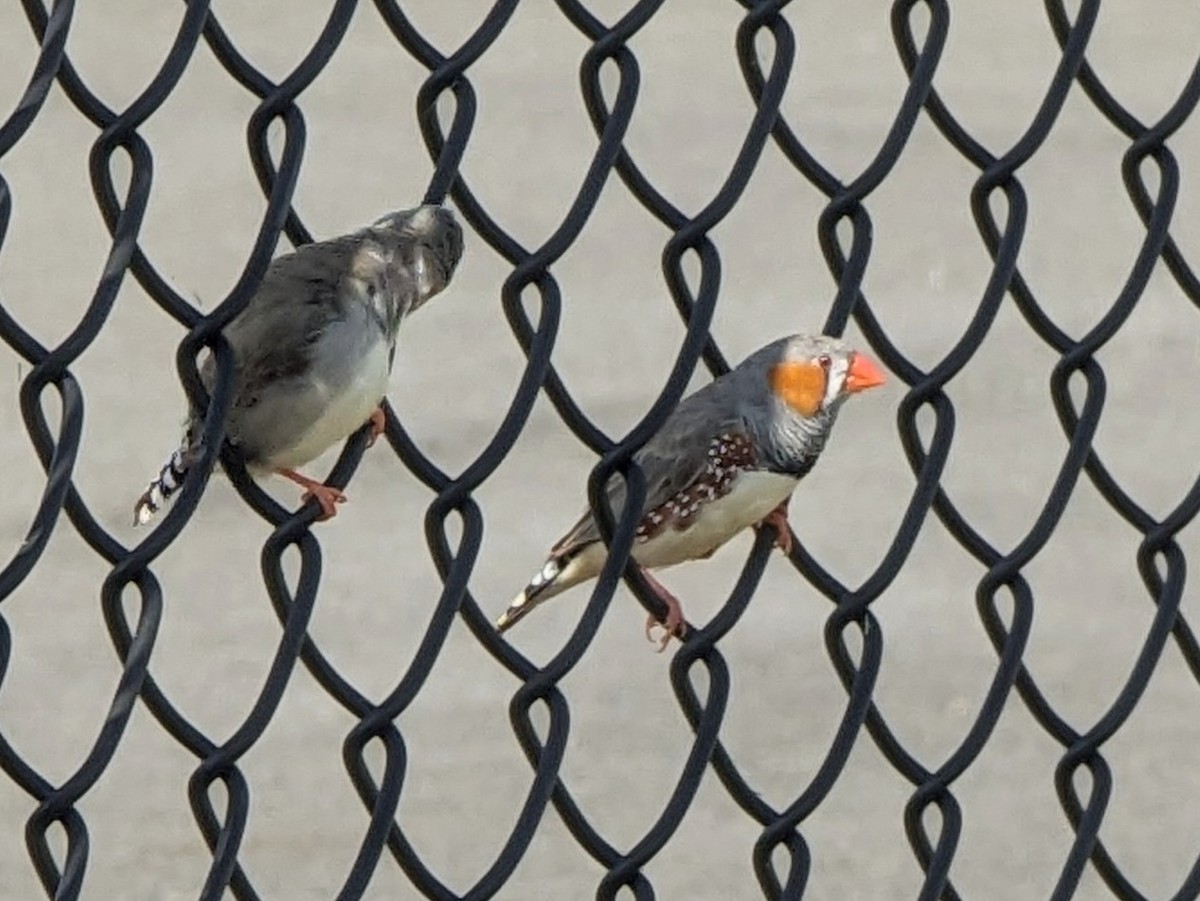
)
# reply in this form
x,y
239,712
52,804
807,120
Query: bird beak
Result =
x,y
863,374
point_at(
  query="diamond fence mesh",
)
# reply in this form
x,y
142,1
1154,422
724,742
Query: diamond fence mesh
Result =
x,y
547,827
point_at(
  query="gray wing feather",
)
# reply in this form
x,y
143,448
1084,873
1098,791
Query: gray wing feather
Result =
x,y
301,293
671,460
273,338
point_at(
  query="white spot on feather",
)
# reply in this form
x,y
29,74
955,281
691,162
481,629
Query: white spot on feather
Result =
x,y
754,494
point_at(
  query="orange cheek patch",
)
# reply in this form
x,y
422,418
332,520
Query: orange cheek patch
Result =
x,y
799,385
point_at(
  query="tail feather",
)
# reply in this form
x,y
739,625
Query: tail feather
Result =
x,y
163,485
561,571
532,595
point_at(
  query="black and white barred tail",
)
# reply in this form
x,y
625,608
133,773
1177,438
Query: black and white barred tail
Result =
x,y
533,594
165,484
560,572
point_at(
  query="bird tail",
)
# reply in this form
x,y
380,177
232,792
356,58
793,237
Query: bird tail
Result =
x,y
165,484
538,590
560,572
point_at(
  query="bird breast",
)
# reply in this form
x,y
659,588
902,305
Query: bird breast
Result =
x,y
346,384
753,495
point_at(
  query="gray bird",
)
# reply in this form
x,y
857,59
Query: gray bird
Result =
x,y
313,349
728,457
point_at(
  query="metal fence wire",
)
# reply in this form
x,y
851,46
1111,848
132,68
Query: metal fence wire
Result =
x,y
766,50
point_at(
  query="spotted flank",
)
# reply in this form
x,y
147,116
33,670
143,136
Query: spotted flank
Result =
x,y
165,484
729,454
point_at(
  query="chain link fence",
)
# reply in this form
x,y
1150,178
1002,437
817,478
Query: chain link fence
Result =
x,y
773,753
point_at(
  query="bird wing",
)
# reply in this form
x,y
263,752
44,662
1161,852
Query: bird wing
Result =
x,y
273,338
671,460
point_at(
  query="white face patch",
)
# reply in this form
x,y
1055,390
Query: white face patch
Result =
x,y
836,379
423,273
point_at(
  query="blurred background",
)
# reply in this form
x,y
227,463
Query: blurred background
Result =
x,y
458,368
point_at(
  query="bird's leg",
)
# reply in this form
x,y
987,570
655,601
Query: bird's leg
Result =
x,y
783,530
674,624
378,423
325,495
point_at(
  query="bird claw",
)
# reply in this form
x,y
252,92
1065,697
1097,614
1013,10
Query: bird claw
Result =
x,y
777,518
327,497
674,625
378,423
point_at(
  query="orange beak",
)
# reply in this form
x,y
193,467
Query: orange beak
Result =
x,y
863,374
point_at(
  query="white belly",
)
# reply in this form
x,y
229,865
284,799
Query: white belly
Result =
x,y
754,495
346,408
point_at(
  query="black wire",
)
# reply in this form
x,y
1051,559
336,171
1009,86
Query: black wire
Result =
x,y
765,46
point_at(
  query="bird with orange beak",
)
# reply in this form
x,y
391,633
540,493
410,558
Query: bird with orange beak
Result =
x,y
727,458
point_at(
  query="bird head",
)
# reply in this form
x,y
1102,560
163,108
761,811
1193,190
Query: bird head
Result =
x,y
814,374
792,390
430,243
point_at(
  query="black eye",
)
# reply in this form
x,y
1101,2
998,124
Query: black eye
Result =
x,y
824,361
